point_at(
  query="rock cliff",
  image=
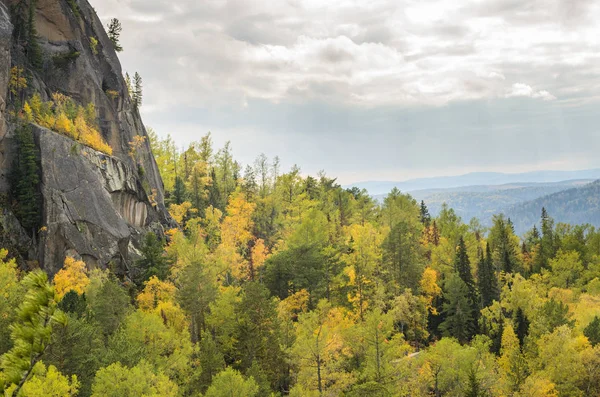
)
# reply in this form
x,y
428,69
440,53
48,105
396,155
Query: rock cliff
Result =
x,y
94,206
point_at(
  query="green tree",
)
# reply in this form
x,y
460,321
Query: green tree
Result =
x,y
425,217
521,326
592,331
114,33
109,305
153,261
141,380
25,181
487,282
31,334
11,293
459,322
462,266
195,293
230,383
402,255
137,90
258,334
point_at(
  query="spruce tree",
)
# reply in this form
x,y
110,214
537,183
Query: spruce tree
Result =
x,y
114,33
462,265
34,52
425,216
458,321
153,261
137,90
25,181
592,331
179,191
547,247
486,279
215,192
521,326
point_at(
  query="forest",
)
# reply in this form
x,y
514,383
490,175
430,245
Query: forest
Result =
x,y
277,283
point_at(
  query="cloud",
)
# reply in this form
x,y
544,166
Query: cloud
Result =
x,y
232,64
524,90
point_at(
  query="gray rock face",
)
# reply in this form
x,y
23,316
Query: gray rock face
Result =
x,y
5,59
92,203
95,206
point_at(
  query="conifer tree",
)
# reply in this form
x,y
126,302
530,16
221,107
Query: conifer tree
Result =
x,y
31,333
114,33
34,53
425,217
128,85
25,181
137,90
486,279
215,199
459,322
462,265
547,247
179,192
592,331
153,261
521,326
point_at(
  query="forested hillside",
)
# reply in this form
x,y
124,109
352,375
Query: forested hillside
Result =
x,y
280,284
483,202
577,206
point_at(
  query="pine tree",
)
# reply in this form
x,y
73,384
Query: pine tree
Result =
x,y
137,90
547,246
114,33
34,52
153,261
486,279
215,191
179,191
462,265
128,85
521,326
425,217
32,333
25,181
459,322
592,331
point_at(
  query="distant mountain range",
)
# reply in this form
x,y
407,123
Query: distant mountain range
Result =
x,y
575,199
484,201
476,179
574,206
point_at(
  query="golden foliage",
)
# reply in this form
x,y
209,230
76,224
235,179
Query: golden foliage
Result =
x,y
154,293
430,288
62,115
17,80
72,277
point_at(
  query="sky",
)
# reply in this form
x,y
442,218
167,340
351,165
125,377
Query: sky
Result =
x,y
373,89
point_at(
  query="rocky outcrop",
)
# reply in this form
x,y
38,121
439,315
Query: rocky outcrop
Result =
x,y
5,60
95,206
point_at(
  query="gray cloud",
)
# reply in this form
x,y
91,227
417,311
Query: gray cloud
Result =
x,y
324,75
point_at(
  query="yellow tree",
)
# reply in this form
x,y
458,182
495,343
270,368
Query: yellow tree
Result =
x,y
512,362
430,288
72,277
236,233
258,257
363,258
320,351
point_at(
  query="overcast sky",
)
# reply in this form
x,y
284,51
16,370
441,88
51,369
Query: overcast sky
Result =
x,y
373,89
